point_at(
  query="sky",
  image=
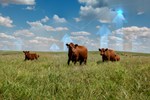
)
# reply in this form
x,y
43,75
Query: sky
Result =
x,y
47,25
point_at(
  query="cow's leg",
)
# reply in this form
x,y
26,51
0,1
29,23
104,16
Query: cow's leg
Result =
x,y
25,58
75,62
85,61
68,61
80,62
103,59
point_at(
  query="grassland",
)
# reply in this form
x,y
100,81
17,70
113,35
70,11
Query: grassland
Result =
x,y
50,78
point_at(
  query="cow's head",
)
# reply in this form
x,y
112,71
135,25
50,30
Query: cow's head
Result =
x,y
72,47
102,51
26,52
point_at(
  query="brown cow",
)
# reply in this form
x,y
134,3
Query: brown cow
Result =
x,y
117,58
30,56
108,55
77,53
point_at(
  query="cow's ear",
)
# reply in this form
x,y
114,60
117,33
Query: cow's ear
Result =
x,y
106,49
23,51
99,49
67,44
76,45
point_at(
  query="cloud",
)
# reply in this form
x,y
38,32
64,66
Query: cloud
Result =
x,y
23,33
6,21
80,33
131,38
46,39
131,6
132,34
102,14
98,27
77,19
88,2
21,2
56,18
34,41
45,19
30,8
5,36
39,25
35,24
140,13
86,41
57,29
40,43
95,3
42,40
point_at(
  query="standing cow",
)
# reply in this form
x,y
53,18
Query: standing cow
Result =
x,y
108,55
77,53
30,56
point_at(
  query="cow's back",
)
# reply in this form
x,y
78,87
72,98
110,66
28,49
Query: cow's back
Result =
x,y
83,52
110,54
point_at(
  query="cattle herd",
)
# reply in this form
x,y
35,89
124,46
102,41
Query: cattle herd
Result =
x,y
78,53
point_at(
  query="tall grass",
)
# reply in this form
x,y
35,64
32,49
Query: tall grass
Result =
x,y
50,78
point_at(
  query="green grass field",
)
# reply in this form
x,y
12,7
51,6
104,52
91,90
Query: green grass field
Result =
x,y
50,78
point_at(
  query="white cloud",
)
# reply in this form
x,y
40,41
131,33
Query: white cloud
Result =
x,y
23,33
35,24
115,38
46,39
131,38
5,36
39,25
50,28
77,19
56,18
61,29
82,39
6,21
103,14
39,43
34,41
98,27
97,9
80,33
89,2
134,32
30,8
86,41
22,2
45,19
140,12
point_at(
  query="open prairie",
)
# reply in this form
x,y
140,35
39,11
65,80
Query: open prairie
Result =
x,y
50,78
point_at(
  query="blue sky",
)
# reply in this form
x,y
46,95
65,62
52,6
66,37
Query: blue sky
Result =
x,y
41,25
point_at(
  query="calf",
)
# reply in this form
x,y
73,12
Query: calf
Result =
x,y
117,58
30,56
108,55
